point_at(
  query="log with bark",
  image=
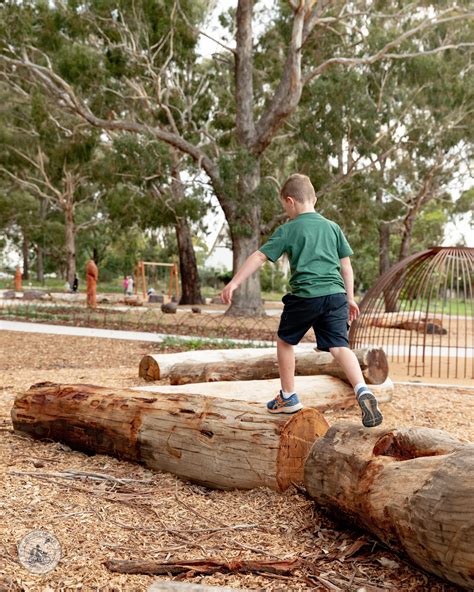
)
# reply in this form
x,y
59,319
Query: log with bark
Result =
x,y
254,364
409,321
412,487
320,392
216,442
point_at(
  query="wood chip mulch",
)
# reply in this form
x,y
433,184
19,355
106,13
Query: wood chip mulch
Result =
x,y
104,509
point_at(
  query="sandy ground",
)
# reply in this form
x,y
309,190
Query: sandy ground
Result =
x,y
158,517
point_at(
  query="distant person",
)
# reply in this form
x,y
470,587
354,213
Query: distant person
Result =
x,y
75,284
322,294
125,283
130,286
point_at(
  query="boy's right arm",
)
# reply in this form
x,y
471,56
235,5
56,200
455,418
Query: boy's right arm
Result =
x,y
250,266
348,277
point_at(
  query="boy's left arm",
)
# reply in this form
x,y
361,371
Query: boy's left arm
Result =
x,y
348,277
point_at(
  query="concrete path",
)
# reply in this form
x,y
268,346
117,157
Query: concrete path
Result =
x,y
111,333
391,350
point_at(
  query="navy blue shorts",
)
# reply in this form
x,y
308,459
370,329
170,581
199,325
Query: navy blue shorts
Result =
x,y
328,315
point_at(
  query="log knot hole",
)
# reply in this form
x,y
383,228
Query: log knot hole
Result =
x,y
207,434
400,447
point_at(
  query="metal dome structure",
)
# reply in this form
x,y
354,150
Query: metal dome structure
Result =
x,y
421,313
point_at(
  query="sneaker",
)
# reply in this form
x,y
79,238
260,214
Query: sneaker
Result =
x,y
371,415
282,405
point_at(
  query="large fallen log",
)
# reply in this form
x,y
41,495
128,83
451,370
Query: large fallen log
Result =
x,y
219,443
413,488
321,392
254,364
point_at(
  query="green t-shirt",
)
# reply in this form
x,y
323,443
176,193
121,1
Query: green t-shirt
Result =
x,y
314,246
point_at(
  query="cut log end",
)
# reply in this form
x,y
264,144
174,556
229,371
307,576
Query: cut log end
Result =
x,y
149,369
377,366
296,440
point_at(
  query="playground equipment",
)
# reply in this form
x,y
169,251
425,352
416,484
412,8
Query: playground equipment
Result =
x,y
421,312
172,282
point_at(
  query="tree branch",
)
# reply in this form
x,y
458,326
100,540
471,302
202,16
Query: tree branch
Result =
x,y
68,99
203,33
384,53
288,92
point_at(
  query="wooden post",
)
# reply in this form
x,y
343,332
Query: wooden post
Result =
x,y
219,443
411,487
92,275
176,280
18,286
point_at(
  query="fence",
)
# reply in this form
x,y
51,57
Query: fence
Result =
x,y
147,319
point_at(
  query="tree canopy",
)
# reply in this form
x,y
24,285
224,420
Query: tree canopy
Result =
x,y
373,100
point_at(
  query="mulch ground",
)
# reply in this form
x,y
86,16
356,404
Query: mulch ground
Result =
x,y
157,517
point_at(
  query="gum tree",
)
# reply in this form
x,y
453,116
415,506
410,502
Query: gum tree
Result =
x,y
260,112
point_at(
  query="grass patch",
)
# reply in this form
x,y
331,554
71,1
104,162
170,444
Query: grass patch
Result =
x,y
178,344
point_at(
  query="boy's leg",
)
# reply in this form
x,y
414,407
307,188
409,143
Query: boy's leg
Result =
x,y
286,365
287,400
371,415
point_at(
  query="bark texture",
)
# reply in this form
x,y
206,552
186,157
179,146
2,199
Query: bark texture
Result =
x,y
224,444
411,487
254,364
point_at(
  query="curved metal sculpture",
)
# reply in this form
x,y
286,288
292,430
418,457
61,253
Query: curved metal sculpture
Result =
x,y
421,312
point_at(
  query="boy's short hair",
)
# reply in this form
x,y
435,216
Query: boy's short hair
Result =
x,y
299,187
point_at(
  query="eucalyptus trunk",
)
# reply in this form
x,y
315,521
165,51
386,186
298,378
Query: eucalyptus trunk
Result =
x,y
190,281
384,247
245,234
70,236
39,247
406,236
39,264
25,250
390,295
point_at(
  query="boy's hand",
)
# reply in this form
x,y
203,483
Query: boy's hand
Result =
x,y
226,294
353,310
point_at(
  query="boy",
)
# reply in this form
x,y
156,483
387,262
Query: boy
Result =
x,y
322,294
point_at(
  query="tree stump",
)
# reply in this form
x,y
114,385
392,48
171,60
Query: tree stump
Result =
x,y
411,487
224,444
